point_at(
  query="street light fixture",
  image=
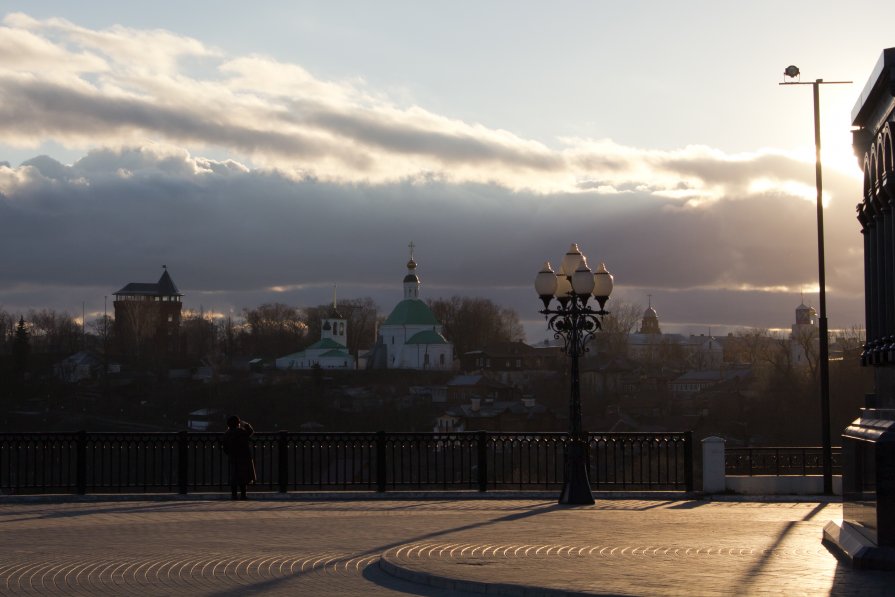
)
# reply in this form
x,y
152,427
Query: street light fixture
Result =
x,y
792,72
574,322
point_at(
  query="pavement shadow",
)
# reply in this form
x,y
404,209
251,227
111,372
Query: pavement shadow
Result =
x,y
691,505
154,507
748,579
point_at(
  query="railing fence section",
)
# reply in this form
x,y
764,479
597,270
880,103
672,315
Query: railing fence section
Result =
x,y
778,461
185,462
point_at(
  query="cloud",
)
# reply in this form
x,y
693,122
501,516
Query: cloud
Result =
x,y
225,228
327,181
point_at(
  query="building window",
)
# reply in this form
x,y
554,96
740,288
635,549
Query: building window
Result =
x,y
441,359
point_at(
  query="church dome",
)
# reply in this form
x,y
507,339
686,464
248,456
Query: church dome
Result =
x,y
650,322
411,264
412,278
805,314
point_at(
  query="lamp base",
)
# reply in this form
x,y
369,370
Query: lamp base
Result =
x,y
576,485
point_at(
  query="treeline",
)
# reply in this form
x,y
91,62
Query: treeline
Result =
x,y
268,331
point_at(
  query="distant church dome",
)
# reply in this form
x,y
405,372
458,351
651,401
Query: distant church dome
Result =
x,y
650,322
805,315
411,276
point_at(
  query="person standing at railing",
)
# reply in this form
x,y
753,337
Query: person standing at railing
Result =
x,y
237,448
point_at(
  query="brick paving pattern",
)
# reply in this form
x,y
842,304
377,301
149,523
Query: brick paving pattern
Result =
x,y
422,547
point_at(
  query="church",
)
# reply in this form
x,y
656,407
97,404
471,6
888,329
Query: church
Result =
x,y
411,337
330,352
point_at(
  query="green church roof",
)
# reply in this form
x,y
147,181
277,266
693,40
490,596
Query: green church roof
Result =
x,y
426,337
326,343
411,312
336,353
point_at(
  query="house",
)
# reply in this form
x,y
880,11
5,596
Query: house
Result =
x,y
496,415
514,363
693,382
79,366
466,387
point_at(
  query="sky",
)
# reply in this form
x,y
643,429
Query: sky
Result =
x,y
273,150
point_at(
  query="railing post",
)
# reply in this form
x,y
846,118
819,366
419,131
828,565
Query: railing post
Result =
x,y
482,448
380,461
688,461
282,461
713,473
81,463
183,455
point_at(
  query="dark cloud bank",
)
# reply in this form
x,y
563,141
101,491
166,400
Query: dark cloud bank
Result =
x,y
72,234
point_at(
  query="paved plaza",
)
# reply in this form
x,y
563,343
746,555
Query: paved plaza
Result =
x,y
279,545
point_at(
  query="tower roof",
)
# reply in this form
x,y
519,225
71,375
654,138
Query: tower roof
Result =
x,y
164,287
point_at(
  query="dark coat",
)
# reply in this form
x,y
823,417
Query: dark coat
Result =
x,y
236,445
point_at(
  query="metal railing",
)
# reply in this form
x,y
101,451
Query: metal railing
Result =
x,y
185,462
779,461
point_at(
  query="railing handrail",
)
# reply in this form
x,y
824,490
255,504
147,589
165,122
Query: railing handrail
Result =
x,y
183,461
776,460
735,448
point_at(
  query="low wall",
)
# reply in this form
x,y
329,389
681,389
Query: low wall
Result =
x,y
773,485
716,480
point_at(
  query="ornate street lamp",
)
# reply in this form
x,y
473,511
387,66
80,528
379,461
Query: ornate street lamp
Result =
x,y
574,322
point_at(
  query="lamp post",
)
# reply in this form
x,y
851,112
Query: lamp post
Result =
x,y
574,322
792,72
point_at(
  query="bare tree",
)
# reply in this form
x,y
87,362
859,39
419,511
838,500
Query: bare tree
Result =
x,y
622,320
54,332
851,340
7,330
806,341
197,335
274,329
473,323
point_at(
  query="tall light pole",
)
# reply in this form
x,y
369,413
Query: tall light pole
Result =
x,y
793,72
574,322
